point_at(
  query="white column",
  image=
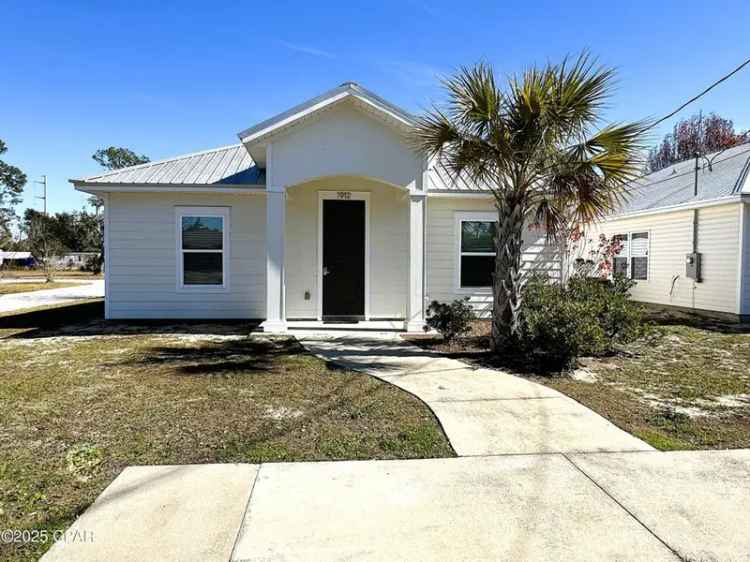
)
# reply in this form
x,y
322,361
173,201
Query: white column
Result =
x,y
415,304
275,286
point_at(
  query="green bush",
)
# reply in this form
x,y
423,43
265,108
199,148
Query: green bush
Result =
x,y
588,316
451,320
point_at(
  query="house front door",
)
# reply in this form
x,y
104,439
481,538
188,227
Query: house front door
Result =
x,y
343,259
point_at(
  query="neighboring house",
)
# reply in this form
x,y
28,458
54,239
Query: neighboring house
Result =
x,y
686,235
16,259
322,212
73,260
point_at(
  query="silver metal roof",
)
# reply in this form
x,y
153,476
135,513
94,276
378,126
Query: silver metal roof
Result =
x,y
675,184
229,165
442,180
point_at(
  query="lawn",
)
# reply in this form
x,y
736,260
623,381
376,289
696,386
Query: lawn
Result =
x,y
39,273
684,386
78,403
10,288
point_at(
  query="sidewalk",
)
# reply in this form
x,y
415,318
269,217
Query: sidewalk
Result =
x,y
47,297
483,411
604,506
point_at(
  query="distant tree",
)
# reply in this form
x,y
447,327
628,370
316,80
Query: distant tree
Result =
x,y
114,158
42,239
12,181
698,134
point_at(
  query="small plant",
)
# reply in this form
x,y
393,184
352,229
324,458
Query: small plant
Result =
x,y
451,320
83,460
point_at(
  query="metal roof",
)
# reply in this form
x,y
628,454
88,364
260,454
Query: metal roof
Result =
x,y
441,179
675,184
229,165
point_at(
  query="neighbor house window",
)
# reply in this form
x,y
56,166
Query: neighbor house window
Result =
x,y
476,255
202,246
632,261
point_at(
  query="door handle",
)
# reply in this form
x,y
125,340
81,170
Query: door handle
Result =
x,y
326,271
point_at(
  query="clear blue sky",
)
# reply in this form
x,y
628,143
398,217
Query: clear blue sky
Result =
x,y
173,77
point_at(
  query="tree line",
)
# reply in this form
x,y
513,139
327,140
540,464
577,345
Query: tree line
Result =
x,y
48,236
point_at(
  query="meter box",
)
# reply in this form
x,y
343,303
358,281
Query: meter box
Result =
x,y
693,266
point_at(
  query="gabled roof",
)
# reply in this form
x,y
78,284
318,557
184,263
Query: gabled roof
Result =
x,y
347,90
725,177
228,165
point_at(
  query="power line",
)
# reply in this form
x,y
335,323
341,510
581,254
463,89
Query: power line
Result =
x,y
703,93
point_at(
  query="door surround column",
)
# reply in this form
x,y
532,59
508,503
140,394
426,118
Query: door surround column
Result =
x,y
415,320
275,267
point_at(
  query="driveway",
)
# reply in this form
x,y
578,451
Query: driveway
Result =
x,y
598,506
483,411
48,297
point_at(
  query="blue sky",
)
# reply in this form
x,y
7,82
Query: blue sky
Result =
x,y
173,77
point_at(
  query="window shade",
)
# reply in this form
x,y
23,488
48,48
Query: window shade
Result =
x,y
639,244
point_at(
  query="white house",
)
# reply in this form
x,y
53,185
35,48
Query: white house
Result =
x,y
686,235
323,212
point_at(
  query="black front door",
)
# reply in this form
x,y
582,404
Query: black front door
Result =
x,y
343,259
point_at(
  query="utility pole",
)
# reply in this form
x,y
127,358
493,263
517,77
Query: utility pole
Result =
x,y
44,197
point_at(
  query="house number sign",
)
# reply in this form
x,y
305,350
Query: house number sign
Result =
x,y
344,194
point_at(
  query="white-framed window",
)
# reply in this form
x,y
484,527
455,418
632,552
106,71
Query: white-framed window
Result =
x,y
475,242
632,261
202,248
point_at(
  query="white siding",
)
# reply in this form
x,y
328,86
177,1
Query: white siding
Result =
x,y
442,259
343,141
670,239
142,258
745,263
389,246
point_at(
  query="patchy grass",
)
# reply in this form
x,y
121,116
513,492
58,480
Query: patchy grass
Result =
x,y
80,403
684,386
39,273
11,288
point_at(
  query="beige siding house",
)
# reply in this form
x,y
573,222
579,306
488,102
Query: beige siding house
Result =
x,y
686,212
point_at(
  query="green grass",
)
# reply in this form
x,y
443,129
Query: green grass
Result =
x,y
80,403
12,288
40,273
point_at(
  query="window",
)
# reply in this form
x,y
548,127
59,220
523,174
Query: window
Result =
x,y
202,247
632,261
476,238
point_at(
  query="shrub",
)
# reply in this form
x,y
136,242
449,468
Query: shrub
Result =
x,y
450,320
588,316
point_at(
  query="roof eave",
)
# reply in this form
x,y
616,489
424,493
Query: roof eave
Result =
x,y
102,187
723,200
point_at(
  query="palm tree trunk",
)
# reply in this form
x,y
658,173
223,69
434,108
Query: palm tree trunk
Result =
x,y
508,278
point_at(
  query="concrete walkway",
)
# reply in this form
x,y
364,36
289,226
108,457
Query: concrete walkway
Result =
x,y
602,506
483,411
46,297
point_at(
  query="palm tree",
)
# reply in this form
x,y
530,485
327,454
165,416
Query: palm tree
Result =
x,y
535,144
